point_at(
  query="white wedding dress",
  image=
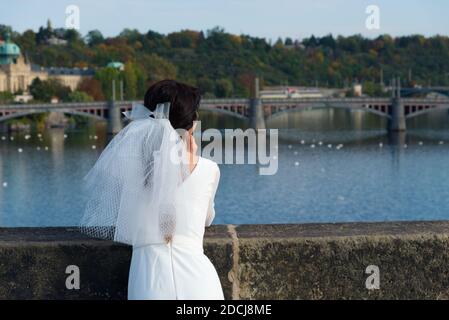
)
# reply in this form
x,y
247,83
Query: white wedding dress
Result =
x,y
179,269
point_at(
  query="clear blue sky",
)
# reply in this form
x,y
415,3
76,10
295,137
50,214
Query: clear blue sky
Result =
x,y
264,18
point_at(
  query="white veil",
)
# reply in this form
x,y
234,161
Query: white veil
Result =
x,y
134,184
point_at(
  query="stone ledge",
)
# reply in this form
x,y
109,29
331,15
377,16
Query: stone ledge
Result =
x,y
302,261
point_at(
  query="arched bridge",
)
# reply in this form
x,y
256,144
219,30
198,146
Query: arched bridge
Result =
x,y
256,110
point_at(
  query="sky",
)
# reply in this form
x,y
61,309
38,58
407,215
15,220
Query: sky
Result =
x,y
269,19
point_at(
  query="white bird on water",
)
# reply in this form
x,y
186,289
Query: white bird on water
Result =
x,y
5,184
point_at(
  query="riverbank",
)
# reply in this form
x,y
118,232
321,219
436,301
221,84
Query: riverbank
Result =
x,y
300,261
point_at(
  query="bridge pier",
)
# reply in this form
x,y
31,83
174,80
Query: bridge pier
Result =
x,y
114,118
256,117
397,138
3,127
397,121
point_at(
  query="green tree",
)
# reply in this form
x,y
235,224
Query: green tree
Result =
x,y
27,41
206,85
79,96
158,68
223,88
107,76
130,81
45,90
6,97
372,89
94,37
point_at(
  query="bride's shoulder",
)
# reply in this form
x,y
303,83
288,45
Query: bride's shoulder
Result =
x,y
210,164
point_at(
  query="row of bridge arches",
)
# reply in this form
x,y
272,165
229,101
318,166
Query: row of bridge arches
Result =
x,y
241,110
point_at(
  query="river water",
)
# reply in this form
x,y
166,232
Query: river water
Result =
x,y
373,176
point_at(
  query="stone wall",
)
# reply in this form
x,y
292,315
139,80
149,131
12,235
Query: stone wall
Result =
x,y
310,261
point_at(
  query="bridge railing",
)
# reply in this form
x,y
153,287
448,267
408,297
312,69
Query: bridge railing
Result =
x,y
206,103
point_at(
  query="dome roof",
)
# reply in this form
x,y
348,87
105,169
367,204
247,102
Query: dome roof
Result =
x,y
115,65
8,48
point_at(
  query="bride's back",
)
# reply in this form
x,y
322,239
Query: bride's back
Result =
x,y
195,203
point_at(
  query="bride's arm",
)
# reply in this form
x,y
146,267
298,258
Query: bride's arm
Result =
x,y
211,210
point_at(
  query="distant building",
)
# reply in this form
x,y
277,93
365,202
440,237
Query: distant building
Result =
x,y
54,41
54,100
23,98
357,89
16,73
70,77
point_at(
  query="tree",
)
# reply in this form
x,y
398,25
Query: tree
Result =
x,y
93,88
141,83
72,35
44,33
106,76
45,90
223,88
157,68
6,97
4,29
27,41
208,59
131,35
94,37
372,89
206,85
184,39
79,96
130,81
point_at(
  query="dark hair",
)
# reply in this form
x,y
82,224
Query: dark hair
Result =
x,y
184,101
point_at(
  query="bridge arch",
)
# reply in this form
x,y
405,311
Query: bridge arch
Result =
x,y
21,114
426,111
224,112
327,106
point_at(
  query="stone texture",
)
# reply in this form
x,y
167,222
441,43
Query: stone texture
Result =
x,y
309,261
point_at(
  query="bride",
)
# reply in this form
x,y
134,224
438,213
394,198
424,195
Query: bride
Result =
x,y
149,189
